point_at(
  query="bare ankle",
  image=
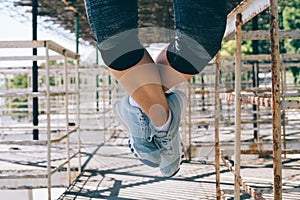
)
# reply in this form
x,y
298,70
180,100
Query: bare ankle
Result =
x,y
158,115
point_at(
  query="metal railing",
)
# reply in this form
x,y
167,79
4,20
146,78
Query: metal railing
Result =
x,y
68,112
275,100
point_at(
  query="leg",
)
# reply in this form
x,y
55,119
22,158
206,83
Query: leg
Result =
x,y
143,84
199,25
114,24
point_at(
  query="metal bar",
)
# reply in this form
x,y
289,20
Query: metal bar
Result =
x,y
35,103
276,111
250,191
30,194
185,122
33,58
48,110
21,93
249,9
261,57
104,114
97,79
40,142
229,144
77,32
238,80
64,163
40,43
190,120
64,136
262,101
31,187
78,114
269,152
265,35
110,86
105,89
25,142
246,188
61,50
24,93
284,88
283,108
66,97
22,44
255,72
217,136
97,93
33,176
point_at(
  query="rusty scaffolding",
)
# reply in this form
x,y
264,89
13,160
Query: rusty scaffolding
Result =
x,y
60,114
275,100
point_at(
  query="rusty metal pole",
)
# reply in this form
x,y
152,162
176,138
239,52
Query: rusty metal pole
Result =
x,y
276,116
237,145
217,136
255,83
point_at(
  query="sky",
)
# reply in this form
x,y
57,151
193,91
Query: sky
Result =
x,y
15,27
11,29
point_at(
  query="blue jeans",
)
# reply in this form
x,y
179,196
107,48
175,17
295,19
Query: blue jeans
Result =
x,y
199,29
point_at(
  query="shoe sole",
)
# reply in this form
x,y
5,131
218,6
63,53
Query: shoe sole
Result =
x,y
131,141
136,154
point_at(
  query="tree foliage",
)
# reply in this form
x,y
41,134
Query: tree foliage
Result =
x,y
19,81
289,19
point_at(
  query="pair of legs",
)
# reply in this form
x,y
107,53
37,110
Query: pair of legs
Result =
x,y
199,28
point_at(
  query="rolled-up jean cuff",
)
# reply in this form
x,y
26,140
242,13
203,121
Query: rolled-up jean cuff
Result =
x,y
185,59
124,61
122,51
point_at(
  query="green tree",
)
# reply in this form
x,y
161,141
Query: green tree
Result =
x,y
296,72
19,81
291,21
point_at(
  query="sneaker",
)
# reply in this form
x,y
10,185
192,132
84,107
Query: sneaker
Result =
x,y
170,143
137,124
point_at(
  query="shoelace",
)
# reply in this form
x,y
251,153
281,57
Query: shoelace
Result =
x,y
142,118
162,141
151,136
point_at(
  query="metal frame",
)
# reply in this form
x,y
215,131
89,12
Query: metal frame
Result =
x,y
238,110
48,93
249,9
